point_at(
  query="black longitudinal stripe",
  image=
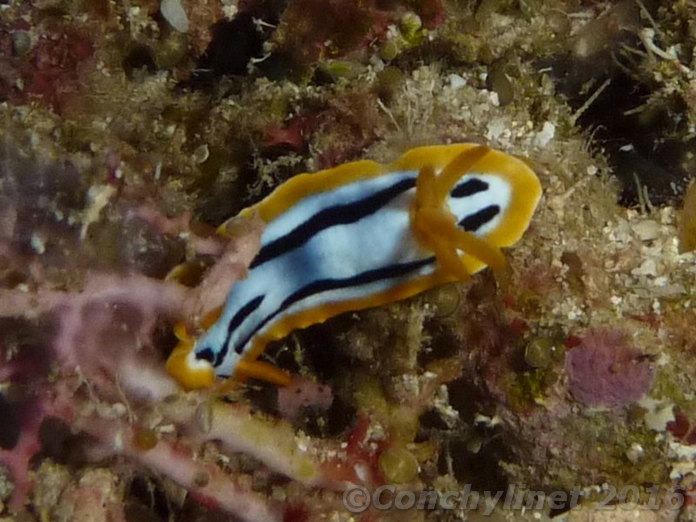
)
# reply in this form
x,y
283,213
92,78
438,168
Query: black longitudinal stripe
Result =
x,y
473,222
324,285
363,278
329,217
469,188
234,323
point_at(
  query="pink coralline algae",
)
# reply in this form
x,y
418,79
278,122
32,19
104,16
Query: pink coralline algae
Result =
x,y
605,371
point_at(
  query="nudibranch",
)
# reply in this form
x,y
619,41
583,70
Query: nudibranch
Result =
x,y
357,236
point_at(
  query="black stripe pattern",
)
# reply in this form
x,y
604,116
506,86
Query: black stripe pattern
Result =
x,y
234,323
340,214
469,188
325,285
473,222
330,217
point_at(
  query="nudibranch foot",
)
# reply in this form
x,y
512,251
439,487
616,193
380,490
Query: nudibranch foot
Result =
x,y
188,273
233,227
255,369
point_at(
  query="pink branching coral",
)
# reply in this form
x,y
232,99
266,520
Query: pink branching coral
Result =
x,y
107,371
93,358
604,370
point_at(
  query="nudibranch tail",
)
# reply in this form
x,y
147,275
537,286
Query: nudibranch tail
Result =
x,y
185,367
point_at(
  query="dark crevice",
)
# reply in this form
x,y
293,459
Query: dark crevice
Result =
x,y
641,133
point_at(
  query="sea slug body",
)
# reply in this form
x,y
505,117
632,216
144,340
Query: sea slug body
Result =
x,y
361,235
